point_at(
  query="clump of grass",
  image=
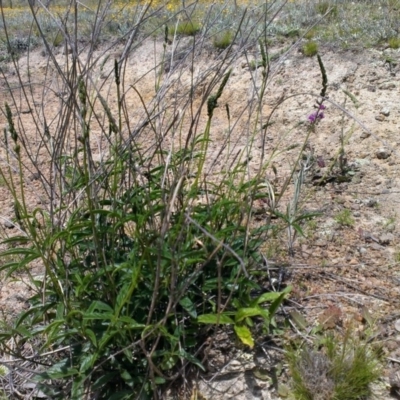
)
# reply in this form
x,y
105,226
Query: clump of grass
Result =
x,y
342,369
310,34
188,28
253,65
292,33
310,48
344,218
223,40
324,6
394,42
396,256
58,39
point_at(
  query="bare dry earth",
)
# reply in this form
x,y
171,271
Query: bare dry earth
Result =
x,y
335,268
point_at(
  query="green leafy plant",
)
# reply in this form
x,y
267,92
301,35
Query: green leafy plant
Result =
x,y
142,270
142,248
242,317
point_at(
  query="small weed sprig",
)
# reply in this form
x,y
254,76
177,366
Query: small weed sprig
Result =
x,y
344,218
338,367
293,216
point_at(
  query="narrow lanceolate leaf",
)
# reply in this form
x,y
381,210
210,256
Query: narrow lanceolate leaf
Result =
x,y
215,319
188,305
270,296
87,362
191,358
275,305
244,335
98,305
130,323
244,313
91,336
60,370
77,390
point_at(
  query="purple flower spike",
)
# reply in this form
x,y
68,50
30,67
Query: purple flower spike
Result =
x,y
314,116
322,107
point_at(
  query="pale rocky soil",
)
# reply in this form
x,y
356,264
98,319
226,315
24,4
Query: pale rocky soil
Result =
x,y
344,270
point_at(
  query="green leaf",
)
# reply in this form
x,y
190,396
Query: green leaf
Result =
x,y
298,229
122,395
130,323
103,380
275,305
169,361
123,297
215,319
270,296
91,336
243,313
127,377
192,359
158,380
98,305
77,390
188,305
87,362
97,315
244,335
60,370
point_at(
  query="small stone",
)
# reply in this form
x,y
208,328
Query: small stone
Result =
x,y
383,154
397,325
386,239
385,112
375,246
370,202
362,250
8,224
35,176
392,346
387,86
380,117
365,135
